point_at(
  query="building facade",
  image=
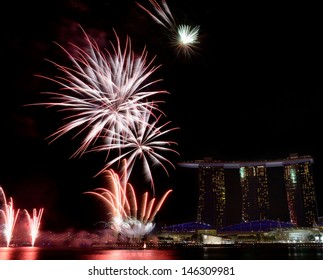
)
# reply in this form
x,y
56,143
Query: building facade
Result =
x,y
254,192
258,199
301,198
211,190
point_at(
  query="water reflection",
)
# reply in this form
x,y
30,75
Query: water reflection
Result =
x,y
5,253
133,255
20,253
89,253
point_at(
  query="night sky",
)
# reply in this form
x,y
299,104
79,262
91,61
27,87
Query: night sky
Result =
x,y
252,91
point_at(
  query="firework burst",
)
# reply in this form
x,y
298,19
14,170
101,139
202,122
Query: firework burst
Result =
x,y
102,91
120,198
108,96
184,38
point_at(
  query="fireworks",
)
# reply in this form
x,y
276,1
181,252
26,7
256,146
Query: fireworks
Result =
x,y
142,142
34,223
183,37
10,216
126,217
109,97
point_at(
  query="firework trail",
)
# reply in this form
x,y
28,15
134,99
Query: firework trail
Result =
x,y
10,217
121,200
34,223
108,96
184,38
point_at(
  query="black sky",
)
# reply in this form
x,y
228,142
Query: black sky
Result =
x,y
253,92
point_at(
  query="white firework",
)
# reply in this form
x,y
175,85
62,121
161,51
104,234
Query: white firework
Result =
x,y
104,92
183,37
108,97
142,142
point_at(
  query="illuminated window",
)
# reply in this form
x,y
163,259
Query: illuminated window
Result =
x,y
293,175
242,172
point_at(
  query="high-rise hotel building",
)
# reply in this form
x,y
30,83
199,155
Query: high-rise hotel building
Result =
x,y
257,195
254,192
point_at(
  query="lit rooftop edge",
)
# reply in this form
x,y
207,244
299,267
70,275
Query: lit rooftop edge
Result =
x,y
238,164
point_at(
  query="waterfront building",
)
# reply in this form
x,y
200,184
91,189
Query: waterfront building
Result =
x,y
211,189
301,198
258,192
254,192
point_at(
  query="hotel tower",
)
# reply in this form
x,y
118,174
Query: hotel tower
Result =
x,y
256,190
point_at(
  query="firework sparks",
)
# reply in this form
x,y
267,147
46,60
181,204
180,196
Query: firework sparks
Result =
x,y
121,200
108,97
104,92
10,216
183,37
143,142
34,223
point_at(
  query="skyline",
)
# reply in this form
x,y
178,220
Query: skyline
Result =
x,y
252,92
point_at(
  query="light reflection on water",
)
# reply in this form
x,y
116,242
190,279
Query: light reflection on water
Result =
x,y
21,253
133,255
39,253
89,253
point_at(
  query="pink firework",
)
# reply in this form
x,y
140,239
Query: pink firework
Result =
x,y
108,96
10,216
34,223
184,38
120,198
